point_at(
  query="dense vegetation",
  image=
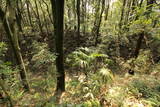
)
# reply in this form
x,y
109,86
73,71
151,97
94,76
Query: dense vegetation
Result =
x,y
79,53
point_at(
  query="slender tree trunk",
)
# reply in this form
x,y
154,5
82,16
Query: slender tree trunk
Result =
x,y
19,17
58,13
99,22
38,18
121,23
84,6
96,21
97,14
9,26
122,14
129,6
45,20
29,14
23,13
0,3
74,13
78,20
138,46
107,10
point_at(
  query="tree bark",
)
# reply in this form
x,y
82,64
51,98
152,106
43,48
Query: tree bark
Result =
x,y
122,14
99,22
38,18
29,14
138,46
19,17
96,15
129,6
45,19
58,13
9,26
74,13
78,20
84,14
107,10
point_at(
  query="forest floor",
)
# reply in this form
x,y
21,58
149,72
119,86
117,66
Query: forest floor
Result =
x,y
124,91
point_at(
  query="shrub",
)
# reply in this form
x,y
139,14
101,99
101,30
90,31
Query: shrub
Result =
x,y
42,57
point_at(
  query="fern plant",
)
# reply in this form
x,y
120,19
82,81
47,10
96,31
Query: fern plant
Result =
x,y
42,57
87,59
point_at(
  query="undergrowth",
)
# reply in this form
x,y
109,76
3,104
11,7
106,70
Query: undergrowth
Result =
x,y
94,84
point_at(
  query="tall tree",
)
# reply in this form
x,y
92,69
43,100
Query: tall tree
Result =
x,y
122,14
107,9
10,28
84,14
99,22
78,20
96,15
18,16
37,14
45,19
141,35
58,15
99,9
29,13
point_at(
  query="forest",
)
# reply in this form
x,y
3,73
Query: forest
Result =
x,y
79,53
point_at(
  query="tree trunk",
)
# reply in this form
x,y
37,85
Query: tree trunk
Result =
x,y
74,13
9,26
138,46
107,10
58,13
84,6
129,6
19,17
29,14
99,23
45,19
38,18
96,21
78,20
97,12
122,14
